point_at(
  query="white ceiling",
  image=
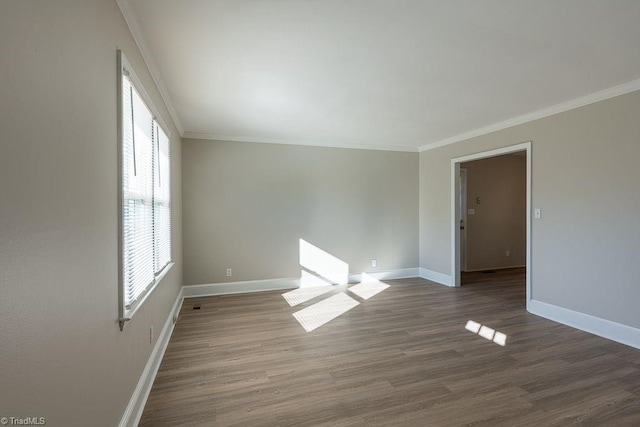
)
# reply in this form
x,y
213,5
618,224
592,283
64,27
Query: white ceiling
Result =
x,y
383,74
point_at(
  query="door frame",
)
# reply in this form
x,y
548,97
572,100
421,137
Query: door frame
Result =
x,y
463,219
456,214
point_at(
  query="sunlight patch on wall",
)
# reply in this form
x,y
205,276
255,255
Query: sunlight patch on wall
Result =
x,y
487,332
323,263
324,311
368,287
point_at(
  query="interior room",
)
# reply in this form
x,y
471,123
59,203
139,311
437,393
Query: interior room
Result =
x,y
319,213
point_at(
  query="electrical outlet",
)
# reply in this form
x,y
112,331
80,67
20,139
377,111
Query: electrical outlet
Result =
x,y
151,335
508,253
374,263
229,272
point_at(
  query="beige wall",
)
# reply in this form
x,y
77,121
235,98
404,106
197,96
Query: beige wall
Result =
x,y
246,205
500,219
63,355
585,179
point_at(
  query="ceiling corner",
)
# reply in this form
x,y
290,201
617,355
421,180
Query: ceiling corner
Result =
x,y
131,18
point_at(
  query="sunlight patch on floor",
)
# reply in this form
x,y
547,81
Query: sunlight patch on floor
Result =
x,y
486,332
369,287
307,292
500,339
324,311
473,326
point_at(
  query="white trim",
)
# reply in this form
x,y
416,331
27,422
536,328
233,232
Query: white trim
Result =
x,y
585,322
355,146
125,67
434,276
133,413
455,221
455,209
493,153
494,268
545,112
228,288
528,255
127,314
464,219
131,18
399,273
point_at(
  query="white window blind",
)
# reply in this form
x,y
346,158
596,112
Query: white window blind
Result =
x,y
145,199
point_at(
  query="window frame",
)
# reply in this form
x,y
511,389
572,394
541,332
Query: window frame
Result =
x,y
126,70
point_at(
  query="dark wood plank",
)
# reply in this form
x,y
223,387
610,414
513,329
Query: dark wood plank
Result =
x,y
402,357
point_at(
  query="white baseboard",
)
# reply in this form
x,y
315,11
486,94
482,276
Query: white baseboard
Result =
x,y
494,268
595,325
434,276
228,288
399,273
133,413
211,289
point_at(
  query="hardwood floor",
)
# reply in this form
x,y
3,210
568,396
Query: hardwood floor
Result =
x,y
401,357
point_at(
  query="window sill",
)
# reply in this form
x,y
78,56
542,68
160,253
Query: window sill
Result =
x,y
128,314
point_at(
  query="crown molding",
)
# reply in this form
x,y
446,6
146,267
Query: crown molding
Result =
x,y
131,18
545,112
355,146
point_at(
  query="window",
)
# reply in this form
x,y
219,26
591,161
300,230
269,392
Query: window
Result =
x,y
145,196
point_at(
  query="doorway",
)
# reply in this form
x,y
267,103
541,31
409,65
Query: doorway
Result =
x,y
458,210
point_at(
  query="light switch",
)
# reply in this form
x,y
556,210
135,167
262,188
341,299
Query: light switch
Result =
x,y
471,211
537,213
